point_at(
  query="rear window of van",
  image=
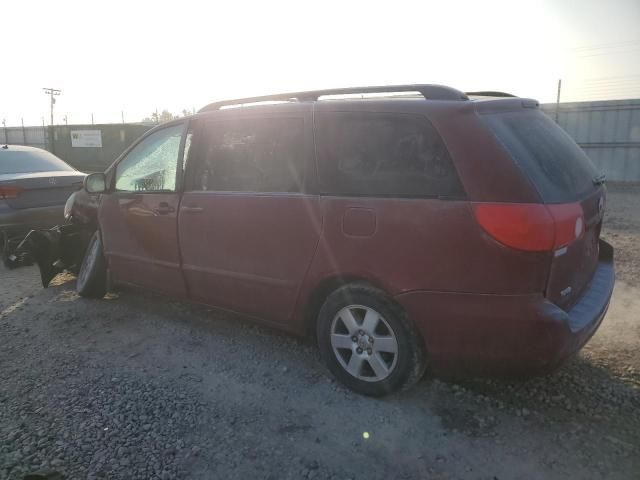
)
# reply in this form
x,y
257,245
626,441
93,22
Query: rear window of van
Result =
x,y
557,166
383,154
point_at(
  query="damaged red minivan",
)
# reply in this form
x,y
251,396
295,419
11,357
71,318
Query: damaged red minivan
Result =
x,y
427,227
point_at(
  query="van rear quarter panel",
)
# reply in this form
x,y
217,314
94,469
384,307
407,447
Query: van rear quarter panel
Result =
x,y
417,244
430,244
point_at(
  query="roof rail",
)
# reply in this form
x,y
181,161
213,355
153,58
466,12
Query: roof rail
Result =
x,y
489,94
430,92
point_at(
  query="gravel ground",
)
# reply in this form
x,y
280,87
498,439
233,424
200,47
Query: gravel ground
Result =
x,y
136,386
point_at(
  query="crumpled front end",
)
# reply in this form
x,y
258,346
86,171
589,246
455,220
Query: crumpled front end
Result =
x,y
54,250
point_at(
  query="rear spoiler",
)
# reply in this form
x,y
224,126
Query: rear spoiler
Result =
x,y
489,93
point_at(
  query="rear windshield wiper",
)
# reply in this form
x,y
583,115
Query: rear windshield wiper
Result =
x,y
600,179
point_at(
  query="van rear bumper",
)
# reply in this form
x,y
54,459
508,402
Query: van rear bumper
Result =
x,y
508,335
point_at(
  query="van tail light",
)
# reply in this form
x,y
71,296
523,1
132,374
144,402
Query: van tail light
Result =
x,y
532,227
568,219
7,192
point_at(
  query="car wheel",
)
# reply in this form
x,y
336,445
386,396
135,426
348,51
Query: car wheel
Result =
x,y
3,249
92,277
367,341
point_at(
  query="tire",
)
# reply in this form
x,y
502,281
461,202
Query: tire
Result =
x,y
358,329
92,276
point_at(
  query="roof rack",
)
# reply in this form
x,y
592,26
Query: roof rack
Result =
x,y
430,92
489,94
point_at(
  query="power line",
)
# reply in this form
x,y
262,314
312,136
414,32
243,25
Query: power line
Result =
x,y
615,77
599,46
635,90
633,93
622,80
611,85
603,94
619,52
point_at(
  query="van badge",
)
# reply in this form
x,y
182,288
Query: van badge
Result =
x,y
53,181
566,291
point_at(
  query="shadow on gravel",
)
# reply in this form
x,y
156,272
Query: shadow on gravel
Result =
x,y
188,390
581,399
585,386
581,387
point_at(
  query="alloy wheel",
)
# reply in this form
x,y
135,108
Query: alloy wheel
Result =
x,y
364,343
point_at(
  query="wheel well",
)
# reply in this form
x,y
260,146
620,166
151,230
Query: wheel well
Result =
x,y
321,292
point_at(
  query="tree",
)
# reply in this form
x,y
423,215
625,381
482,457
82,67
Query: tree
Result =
x,y
164,116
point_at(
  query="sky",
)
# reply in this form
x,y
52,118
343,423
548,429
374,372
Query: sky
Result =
x,y
114,58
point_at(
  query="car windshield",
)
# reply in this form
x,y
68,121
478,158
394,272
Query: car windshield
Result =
x,y
30,161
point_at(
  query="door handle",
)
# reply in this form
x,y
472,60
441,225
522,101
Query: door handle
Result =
x,y
164,208
192,209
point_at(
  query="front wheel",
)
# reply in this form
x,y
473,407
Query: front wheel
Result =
x,y
367,341
92,277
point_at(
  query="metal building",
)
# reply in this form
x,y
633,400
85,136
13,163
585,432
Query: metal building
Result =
x,y
608,131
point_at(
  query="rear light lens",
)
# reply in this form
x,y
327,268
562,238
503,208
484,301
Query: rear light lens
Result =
x,y
7,192
531,227
568,219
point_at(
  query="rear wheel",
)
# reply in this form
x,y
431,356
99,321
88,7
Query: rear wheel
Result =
x,y
92,277
367,342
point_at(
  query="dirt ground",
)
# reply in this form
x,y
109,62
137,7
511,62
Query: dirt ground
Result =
x,y
137,386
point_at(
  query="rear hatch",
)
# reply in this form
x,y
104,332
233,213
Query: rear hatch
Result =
x,y
569,185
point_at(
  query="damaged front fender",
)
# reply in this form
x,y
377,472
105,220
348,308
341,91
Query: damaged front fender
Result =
x,y
59,248
54,251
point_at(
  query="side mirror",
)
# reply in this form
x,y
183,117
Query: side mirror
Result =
x,y
95,183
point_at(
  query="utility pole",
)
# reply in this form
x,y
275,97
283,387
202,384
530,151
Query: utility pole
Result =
x,y
558,98
6,136
122,115
52,92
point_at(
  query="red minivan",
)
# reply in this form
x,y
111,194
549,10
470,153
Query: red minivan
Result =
x,y
432,228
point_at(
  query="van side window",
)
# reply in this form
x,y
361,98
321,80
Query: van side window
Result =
x,y
249,155
152,165
361,153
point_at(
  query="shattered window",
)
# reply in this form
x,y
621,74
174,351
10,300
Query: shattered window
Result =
x,y
152,164
383,154
250,155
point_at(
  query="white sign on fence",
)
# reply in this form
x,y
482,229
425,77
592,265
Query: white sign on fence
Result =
x,y
86,138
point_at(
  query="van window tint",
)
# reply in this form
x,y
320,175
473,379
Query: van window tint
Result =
x,y
249,155
558,168
383,154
